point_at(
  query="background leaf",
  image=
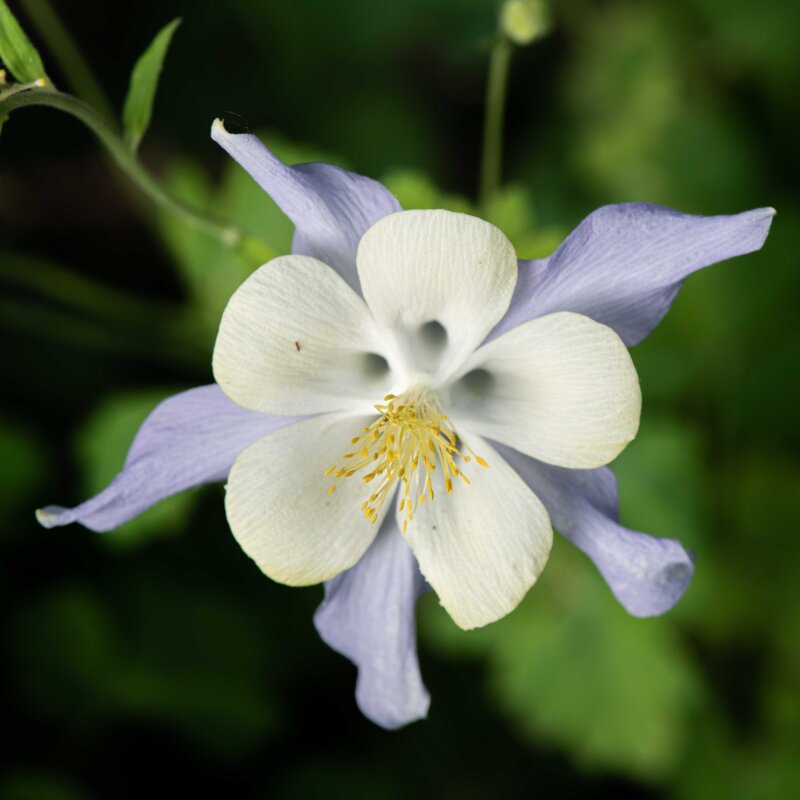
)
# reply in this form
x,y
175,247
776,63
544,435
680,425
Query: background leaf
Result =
x,y
155,664
144,82
570,667
22,462
210,271
101,447
16,49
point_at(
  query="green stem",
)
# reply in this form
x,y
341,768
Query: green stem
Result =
x,y
491,163
17,88
56,283
67,55
227,233
150,323
37,322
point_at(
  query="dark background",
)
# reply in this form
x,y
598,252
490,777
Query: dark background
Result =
x,y
157,659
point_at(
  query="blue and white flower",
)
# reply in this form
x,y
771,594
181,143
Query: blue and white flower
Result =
x,y
401,403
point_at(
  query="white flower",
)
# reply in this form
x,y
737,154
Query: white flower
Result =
x,y
406,397
546,384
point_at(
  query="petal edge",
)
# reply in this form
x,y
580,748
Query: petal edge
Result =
x,y
647,574
623,264
189,439
330,207
368,615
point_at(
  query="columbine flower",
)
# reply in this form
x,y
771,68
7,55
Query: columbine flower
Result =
x,y
402,372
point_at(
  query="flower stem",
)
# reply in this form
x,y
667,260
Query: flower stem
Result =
x,y
53,282
38,322
67,55
491,163
227,233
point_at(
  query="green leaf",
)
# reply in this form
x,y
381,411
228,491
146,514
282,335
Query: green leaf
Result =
x,y
16,49
511,210
144,82
570,667
414,189
156,647
211,271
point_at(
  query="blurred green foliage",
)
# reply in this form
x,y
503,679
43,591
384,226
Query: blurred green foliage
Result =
x,y
100,448
171,658
571,668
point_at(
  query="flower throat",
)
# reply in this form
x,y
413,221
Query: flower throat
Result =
x,y
405,443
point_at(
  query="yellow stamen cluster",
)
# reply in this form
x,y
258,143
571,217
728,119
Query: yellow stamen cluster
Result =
x,y
411,432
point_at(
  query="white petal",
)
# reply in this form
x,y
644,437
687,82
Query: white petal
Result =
x,y
561,388
279,509
483,546
423,267
647,574
296,339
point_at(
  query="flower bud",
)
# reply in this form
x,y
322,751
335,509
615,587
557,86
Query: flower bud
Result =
x,y
524,21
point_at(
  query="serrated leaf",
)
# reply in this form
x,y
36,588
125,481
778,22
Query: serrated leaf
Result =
x,y
144,82
16,49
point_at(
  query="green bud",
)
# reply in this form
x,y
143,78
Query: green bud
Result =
x,y
525,21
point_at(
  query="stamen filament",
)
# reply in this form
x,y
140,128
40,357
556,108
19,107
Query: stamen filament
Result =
x,y
410,432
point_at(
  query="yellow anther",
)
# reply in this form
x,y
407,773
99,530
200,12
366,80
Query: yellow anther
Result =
x,y
409,430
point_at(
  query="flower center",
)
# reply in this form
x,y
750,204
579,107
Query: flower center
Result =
x,y
405,443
